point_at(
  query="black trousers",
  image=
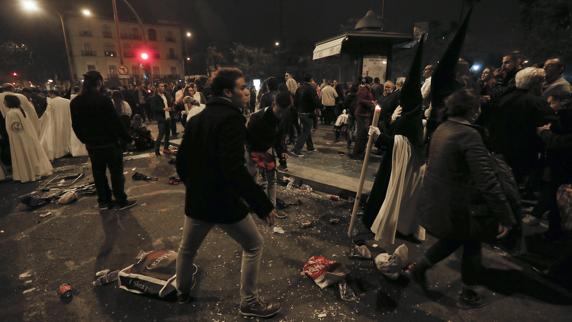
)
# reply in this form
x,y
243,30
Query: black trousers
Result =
x,y
471,262
108,158
164,134
306,136
362,127
547,202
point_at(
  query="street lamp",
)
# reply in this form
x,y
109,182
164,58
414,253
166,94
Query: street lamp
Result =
x,y
86,12
33,6
189,34
30,6
277,44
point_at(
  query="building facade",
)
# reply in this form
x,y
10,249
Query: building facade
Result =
x,y
94,46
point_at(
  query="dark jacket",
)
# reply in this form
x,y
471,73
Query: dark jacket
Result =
x,y
263,132
364,107
558,147
211,163
157,106
306,99
512,129
267,99
459,174
95,121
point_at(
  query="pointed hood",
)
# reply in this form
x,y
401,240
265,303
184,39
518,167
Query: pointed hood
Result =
x,y
443,81
410,124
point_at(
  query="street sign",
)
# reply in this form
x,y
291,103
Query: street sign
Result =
x,y
122,70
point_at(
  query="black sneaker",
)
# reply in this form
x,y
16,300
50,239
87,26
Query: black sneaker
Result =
x,y
296,154
259,309
469,299
127,204
418,275
104,206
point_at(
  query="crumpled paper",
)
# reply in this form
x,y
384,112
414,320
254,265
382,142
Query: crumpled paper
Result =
x,y
392,265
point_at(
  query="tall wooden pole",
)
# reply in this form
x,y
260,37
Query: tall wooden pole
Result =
x,y
117,31
359,192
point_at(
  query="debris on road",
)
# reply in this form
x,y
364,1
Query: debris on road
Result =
x,y
325,272
27,274
360,252
67,198
392,265
29,290
153,274
46,214
65,291
138,176
278,230
334,221
105,277
174,181
334,198
347,294
306,223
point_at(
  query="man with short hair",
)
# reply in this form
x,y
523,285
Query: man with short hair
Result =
x,y
264,141
329,96
220,191
555,84
162,107
291,84
307,102
97,125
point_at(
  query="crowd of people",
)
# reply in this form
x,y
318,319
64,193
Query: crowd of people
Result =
x,y
453,145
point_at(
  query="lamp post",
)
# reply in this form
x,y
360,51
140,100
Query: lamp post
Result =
x,y
33,6
187,59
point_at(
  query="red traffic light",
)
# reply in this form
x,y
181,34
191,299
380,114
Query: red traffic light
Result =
x,y
15,74
144,56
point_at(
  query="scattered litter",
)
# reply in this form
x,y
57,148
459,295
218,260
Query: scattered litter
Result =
x,y
347,293
153,274
137,176
306,187
106,278
278,230
306,223
144,204
67,198
334,198
280,204
44,215
174,181
290,184
27,274
322,315
360,252
29,290
375,245
181,229
392,265
65,291
134,169
325,272
334,221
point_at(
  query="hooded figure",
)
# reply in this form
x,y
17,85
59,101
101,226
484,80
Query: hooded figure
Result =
x,y
444,80
397,210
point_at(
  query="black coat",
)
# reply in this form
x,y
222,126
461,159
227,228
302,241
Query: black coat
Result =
x,y
460,173
157,106
264,132
96,122
306,99
512,128
211,163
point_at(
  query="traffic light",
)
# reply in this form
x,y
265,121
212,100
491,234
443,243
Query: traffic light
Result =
x,y
144,56
14,74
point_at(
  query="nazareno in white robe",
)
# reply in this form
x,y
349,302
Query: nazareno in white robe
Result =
x,y
57,135
27,107
29,160
399,209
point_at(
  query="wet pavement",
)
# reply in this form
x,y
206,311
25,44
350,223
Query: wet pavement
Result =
x,y
76,241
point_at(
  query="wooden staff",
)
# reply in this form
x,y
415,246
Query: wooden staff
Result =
x,y
376,115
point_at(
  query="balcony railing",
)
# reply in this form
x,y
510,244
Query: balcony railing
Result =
x,y
88,53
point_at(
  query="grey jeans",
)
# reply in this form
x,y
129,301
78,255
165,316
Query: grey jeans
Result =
x,y
244,232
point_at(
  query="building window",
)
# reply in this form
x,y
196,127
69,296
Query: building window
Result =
x,y
156,71
86,33
136,34
112,71
152,34
106,31
172,54
170,37
173,70
90,68
87,51
135,70
109,50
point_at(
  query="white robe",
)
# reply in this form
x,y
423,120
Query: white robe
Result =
x,y
56,128
26,105
399,209
29,160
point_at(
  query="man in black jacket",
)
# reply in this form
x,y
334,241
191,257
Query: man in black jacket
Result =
x,y
307,101
263,134
97,125
211,163
162,107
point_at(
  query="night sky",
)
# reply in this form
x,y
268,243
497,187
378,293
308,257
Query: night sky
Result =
x,y
255,22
